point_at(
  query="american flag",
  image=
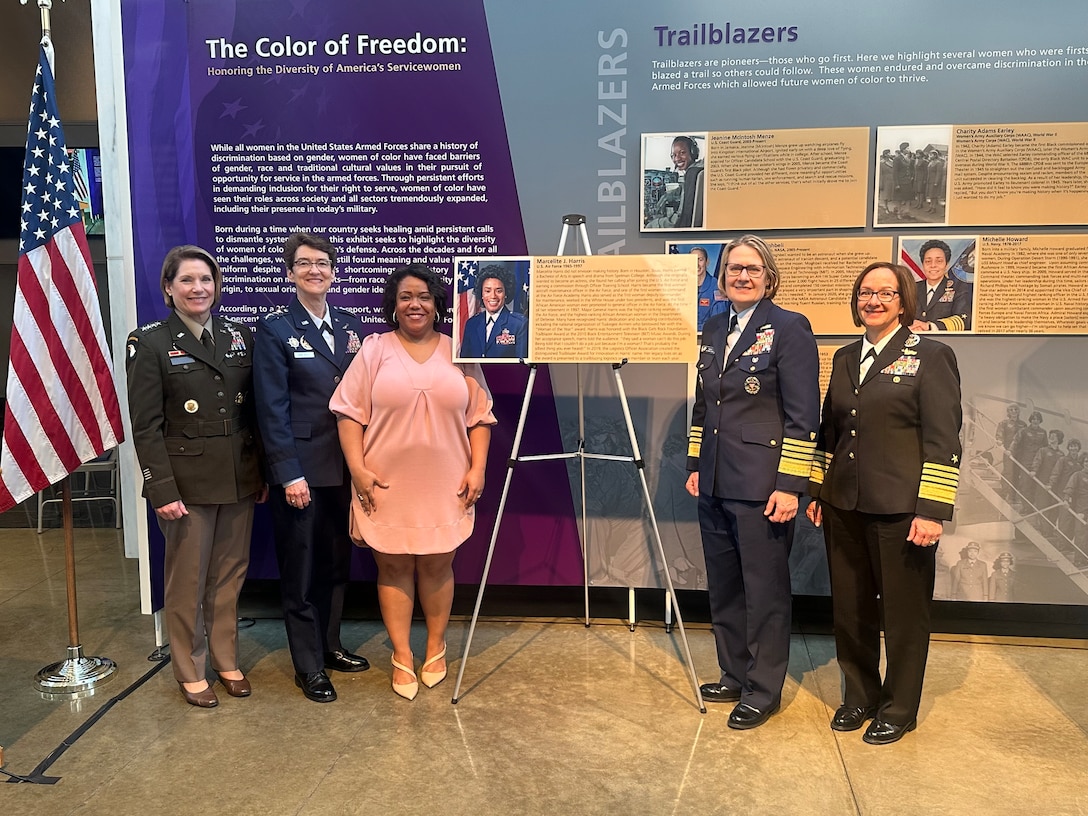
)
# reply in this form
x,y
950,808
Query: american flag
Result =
x,y
466,294
907,260
62,407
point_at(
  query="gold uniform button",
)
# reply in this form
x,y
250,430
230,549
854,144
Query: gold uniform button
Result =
x,y
853,433
222,410
774,442
853,412
895,379
715,431
851,454
855,392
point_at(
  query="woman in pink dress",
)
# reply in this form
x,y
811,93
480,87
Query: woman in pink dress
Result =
x,y
415,430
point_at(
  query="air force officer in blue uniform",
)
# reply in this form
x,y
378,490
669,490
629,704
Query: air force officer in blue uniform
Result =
x,y
302,351
496,332
753,431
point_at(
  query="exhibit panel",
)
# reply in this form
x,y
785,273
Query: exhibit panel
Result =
x,y
429,131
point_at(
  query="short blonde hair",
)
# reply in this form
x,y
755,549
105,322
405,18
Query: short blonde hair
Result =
x,y
765,254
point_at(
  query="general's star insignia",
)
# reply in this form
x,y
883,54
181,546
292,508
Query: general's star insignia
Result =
x,y
955,459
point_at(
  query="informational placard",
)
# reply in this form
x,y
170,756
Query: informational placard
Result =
x,y
604,309
815,274
1057,303
756,179
827,349
982,175
1019,174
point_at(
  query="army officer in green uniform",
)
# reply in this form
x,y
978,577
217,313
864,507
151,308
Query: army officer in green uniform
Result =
x,y
190,400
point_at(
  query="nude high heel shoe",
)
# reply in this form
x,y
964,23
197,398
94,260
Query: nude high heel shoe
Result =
x,y
406,690
432,679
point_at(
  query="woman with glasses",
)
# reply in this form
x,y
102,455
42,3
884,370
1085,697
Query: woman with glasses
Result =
x,y
884,478
301,352
750,451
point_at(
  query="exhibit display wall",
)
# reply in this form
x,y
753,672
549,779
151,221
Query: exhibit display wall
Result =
x,y
425,131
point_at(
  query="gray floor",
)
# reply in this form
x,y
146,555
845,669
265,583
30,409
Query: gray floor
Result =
x,y
554,719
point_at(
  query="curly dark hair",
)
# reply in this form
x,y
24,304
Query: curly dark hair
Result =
x,y
935,244
434,284
502,274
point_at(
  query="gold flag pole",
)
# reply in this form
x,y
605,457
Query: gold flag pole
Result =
x,y
77,675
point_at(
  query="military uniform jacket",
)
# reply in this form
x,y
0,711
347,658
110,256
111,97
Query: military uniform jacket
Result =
x,y
509,336
891,444
192,412
754,421
294,375
951,306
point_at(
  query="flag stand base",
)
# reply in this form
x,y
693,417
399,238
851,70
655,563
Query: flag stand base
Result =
x,y
77,675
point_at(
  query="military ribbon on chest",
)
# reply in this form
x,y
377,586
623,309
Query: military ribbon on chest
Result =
x,y
237,342
764,340
905,366
353,342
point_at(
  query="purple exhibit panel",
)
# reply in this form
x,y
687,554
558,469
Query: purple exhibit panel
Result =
x,y
380,127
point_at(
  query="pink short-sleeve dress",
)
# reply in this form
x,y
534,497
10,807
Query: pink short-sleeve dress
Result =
x,y
417,417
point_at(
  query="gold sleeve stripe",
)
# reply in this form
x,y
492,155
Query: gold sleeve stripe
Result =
x,y
939,483
953,323
820,463
695,441
796,459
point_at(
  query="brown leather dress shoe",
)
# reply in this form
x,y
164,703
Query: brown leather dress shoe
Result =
x,y
200,699
236,688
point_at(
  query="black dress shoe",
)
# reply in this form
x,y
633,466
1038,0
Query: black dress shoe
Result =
x,y
345,661
880,732
849,718
316,686
717,693
745,716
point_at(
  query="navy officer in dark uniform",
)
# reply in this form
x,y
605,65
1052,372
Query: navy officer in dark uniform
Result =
x,y
885,477
193,426
753,430
302,351
944,301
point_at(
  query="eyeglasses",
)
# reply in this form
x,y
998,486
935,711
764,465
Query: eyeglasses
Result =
x,y
754,270
884,295
303,264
